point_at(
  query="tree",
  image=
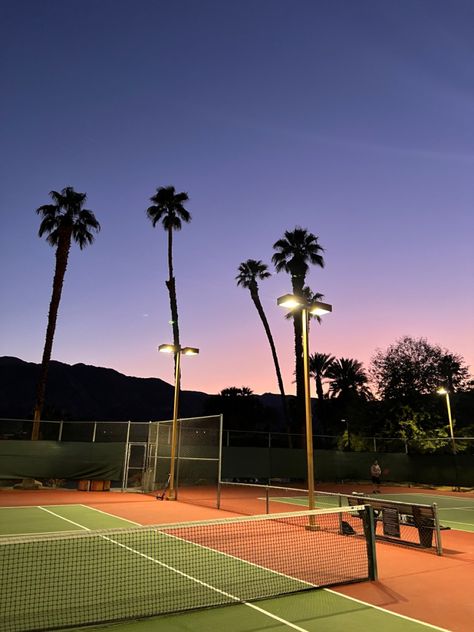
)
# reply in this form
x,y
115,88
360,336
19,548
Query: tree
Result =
x,y
241,409
294,253
412,367
168,209
348,379
250,272
63,222
319,364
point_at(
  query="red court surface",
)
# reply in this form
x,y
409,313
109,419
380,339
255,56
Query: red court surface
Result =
x,y
414,583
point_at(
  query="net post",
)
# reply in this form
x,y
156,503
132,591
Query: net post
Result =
x,y
218,496
339,500
439,547
369,523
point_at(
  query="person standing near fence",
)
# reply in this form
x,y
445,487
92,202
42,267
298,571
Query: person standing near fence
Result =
x,y
375,474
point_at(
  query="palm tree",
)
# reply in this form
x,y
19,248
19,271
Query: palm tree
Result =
x,y
348,379
319,364
294,253
249,272
235,391
63,222
168,208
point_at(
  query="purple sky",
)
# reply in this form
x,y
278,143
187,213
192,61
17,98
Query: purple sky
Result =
x,y
353,119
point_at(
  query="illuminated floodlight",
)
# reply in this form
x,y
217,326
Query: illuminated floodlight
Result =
x,y
318,309
189,351
290,301
166,348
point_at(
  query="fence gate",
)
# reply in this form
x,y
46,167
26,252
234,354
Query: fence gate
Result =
x,y
135,463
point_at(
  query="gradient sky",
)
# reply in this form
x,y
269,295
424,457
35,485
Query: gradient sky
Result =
x,y
351,118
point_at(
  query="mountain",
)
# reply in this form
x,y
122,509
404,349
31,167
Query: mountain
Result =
x,y
82,392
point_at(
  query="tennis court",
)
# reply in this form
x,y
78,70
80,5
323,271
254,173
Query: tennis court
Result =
x,y
341,608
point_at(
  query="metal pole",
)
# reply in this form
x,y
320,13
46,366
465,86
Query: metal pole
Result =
x,y
451,429
309,421
439,546
174,432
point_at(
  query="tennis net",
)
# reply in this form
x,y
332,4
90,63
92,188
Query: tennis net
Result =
x,y
52,582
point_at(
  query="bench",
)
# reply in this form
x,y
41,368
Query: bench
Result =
x,y
393,516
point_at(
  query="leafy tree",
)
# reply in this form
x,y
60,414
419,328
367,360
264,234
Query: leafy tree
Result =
x,y
62,222
423,431
348,379
250,272
294,253
412,367
168,209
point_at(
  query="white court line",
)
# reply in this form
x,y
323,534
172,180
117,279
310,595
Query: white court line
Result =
x,y
138,524
457,508
395,614
467,500
81,526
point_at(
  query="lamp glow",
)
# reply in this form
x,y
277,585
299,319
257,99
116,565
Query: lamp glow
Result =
x,y
290,301
166,348
189,351
318,309
445,392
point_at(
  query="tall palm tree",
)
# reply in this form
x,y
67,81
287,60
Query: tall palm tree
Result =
x,y
168,209
294,253
348,379
62,222
250,272
319,363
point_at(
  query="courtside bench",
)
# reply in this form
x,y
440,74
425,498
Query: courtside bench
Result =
x,y
396,521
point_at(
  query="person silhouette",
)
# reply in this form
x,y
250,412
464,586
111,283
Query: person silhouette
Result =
x,y
375,474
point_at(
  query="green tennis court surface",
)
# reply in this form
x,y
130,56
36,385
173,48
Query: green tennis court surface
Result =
x,y
453,511
175,571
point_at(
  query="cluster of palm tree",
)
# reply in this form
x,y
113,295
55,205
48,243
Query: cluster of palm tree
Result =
x,y
346,379
66,221
294,253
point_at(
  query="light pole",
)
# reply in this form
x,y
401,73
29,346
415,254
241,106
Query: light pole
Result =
x,y
177,352
443,391
291,301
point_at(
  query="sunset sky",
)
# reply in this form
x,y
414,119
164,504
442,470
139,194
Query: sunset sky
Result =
x,y
351,118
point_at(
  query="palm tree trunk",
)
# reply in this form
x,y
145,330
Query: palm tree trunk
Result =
x,y
320,404
171,285
266,326
62,255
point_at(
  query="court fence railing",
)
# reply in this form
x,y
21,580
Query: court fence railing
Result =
x,y
136,431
